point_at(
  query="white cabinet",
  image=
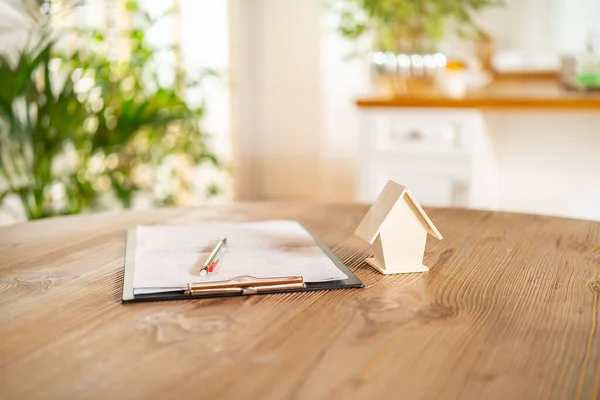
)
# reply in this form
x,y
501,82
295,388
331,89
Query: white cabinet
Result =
x,y
444,156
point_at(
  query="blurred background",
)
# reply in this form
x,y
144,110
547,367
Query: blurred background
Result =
x,y
112,104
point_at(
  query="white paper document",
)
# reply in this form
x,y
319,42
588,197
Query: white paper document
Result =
x,y
167,258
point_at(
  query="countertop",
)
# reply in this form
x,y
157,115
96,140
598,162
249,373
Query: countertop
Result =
x,y
502,94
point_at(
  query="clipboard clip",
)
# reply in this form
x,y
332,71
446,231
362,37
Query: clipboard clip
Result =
x,y
245,285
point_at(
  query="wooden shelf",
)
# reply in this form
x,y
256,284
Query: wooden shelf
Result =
x,y
504,94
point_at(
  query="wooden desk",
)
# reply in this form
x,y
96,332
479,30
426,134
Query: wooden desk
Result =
x,y
505,94
508,310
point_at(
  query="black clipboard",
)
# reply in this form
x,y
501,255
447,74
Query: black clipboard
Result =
x,y
128,296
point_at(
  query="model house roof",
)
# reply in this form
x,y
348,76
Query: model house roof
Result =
x,y
369,227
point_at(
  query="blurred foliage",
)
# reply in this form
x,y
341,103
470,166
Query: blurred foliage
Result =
x,y
403,26
79,127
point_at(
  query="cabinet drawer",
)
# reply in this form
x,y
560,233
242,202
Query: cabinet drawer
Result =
x,y
421,134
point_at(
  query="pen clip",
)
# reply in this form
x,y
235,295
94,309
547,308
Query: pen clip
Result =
x,y
245,281
248,290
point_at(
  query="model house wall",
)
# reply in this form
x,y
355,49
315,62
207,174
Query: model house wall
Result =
x,y
403,236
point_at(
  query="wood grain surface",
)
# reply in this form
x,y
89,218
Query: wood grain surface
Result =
x,y
509,310
524,94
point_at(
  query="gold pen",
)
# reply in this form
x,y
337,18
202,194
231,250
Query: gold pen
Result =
x,y
213,257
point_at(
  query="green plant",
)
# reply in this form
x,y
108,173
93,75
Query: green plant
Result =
x,y
408,25
79,130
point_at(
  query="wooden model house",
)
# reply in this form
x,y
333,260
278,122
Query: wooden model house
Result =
x,y
396,227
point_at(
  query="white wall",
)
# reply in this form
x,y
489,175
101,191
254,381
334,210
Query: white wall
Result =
x,y
576,20
540,26
523,24
343,80
277,97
